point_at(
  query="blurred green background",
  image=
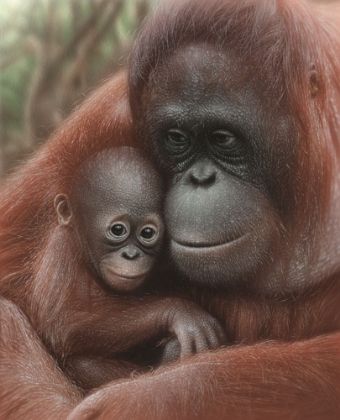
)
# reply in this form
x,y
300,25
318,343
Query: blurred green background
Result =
x,y
52,54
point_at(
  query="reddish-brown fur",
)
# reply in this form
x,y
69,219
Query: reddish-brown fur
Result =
x,y
32,252
285,363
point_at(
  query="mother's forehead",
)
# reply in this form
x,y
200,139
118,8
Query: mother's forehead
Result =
x,y
204,71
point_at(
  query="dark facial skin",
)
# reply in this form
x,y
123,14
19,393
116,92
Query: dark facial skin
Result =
x,y
115,207
210,134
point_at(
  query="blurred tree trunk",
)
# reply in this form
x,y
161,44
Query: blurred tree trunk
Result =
x,y
60,41
39,121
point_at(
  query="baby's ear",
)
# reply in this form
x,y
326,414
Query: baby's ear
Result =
x,y
63,209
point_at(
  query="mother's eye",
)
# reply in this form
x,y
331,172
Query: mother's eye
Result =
x,y
224,140
177,141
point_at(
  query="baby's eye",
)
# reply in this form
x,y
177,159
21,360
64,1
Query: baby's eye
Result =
x,y
148,235
119,230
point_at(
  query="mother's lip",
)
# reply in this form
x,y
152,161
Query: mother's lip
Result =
x,y
128,277
207,245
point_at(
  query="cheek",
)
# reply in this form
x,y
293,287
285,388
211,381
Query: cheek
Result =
x,y
222,213
219,235
231,263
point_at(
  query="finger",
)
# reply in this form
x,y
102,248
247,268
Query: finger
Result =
x,y
171,351
201,343
216,334
187,347
220,335
213,340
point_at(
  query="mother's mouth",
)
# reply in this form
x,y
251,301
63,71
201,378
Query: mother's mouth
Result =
x,y
128,277
207,245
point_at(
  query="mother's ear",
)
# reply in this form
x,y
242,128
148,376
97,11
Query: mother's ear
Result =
x,y
63,209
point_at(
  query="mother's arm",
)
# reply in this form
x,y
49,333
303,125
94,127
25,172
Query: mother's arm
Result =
x,y
265,381
31,385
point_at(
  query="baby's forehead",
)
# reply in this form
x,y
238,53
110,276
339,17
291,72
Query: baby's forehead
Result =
x,y
119,159
122,174
123,167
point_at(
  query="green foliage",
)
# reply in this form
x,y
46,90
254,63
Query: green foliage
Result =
x,y
35,34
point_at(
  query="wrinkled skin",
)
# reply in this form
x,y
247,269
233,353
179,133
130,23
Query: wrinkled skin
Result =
x,y
212,138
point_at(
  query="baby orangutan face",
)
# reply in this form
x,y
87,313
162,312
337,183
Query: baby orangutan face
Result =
x,y
114,208
129,250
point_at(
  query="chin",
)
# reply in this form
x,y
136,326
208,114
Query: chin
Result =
x,y
124,284
223,265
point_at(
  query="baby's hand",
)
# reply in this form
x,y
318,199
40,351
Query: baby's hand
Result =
x,y
195,329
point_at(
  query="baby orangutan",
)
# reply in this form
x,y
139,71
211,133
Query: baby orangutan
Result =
x,y
112,218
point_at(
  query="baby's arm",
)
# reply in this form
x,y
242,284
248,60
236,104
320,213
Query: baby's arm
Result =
x,y
101,335
114,324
